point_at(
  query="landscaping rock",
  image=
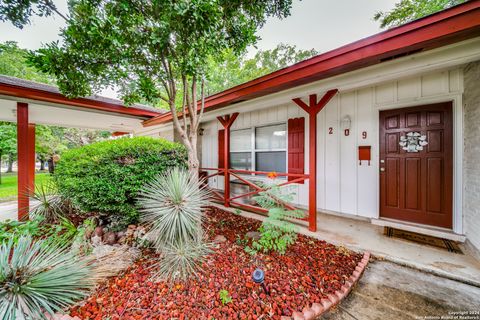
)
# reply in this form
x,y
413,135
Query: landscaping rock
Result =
x,y
98,231
219,239
140,231
116,258
254,235
96,240
110,238
302,269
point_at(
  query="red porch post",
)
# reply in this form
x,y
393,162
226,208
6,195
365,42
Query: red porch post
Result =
x,y
31,158
227,122
25,134
313,108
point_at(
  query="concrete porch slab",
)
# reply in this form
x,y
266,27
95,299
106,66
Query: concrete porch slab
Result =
x,y
360,235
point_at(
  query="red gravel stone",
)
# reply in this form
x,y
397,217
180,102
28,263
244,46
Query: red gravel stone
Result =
x,y
309,272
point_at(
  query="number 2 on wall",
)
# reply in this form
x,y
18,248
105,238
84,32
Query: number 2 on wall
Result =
x,y
330,130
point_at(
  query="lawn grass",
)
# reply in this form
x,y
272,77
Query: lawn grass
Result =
x,y
9,186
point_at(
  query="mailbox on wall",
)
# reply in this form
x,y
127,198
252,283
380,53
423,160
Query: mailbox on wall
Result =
x,y
364,154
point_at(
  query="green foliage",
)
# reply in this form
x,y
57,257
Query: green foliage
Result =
x,y
48,204
224,296
276,232
17,229
233,70
409,10
8,141
63,233
37,278
13,62
172,205
142,46
105,177
182,260
19,12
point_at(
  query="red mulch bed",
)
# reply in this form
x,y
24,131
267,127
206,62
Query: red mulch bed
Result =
x,y
308,271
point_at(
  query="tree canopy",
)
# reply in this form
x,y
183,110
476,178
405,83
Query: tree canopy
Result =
x,y
409,10
13,62
234,70
153,50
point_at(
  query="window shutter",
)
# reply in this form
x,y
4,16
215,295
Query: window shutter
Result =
x,y
296,147
221,148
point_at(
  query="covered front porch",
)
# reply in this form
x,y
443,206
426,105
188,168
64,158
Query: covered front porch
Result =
x,y
252,179
359,234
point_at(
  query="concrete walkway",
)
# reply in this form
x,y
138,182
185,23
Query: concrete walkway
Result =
x,y
389,291
8,211
361,235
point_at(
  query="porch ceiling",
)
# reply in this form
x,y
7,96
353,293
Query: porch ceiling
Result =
x,y
49,107
67,116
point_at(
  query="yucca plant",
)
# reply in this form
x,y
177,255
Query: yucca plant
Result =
x,y
36,279
172,206
182,260
47,203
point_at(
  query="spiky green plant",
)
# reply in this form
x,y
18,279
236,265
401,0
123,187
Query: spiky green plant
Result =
x,y
47,203
36,279
181,260
172,205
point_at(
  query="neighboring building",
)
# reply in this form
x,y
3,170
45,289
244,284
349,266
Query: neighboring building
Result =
x,y
421,78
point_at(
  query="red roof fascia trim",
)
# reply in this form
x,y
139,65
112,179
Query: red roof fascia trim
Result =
x,y
119,133
40,95
446,27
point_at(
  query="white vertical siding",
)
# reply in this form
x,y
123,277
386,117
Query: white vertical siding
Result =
x,y
342,184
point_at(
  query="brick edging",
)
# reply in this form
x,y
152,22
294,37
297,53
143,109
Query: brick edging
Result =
x,y
332,300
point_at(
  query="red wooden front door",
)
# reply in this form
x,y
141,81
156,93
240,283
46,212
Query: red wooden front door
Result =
x,y
417,186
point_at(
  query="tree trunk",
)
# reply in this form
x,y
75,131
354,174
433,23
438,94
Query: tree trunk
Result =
x,y
42,165
193,163
10,163
51,165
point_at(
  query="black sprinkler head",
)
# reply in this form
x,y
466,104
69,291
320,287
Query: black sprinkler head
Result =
x,y
258,276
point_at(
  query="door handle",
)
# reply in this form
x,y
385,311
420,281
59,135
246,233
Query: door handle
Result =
x,y
382,169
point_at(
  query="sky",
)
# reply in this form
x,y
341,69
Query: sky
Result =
x,y
319,24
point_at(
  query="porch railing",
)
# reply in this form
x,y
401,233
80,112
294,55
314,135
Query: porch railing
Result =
x,y
248,178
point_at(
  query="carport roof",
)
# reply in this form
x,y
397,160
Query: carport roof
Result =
x,y
30,90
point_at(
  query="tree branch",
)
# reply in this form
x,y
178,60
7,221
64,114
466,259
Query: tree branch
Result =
x,y
54,9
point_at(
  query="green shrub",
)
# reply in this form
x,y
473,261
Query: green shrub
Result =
x,y
276,232
105,177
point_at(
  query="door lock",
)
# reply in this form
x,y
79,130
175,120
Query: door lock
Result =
x,y
382,169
